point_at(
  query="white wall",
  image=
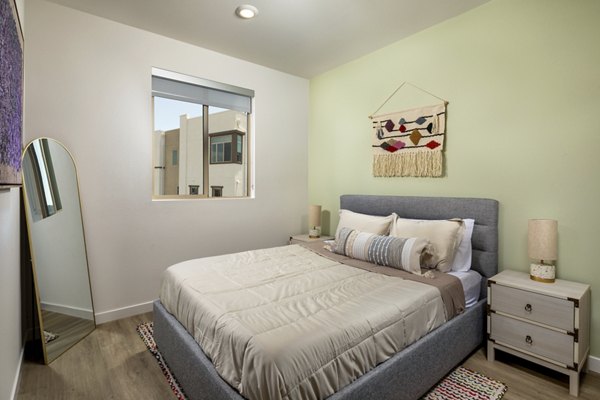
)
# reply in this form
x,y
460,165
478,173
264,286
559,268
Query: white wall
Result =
x,y
88,84
10,292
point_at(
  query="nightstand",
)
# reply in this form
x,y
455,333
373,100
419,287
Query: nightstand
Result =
x,y
545,323
305,239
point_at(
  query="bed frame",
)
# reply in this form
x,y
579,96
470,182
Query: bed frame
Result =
x,y
407,375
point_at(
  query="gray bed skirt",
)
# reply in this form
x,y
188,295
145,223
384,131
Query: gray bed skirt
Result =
x,y
407,375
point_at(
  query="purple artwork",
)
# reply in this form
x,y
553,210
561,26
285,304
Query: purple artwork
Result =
x,y
11,94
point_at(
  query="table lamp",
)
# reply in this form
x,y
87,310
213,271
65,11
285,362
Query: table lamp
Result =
x,y
314,221
542,237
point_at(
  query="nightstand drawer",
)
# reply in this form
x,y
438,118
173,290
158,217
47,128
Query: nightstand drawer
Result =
x,y
547,310
535,339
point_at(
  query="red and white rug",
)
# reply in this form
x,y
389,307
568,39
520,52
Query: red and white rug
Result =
x,y
146,332
462,383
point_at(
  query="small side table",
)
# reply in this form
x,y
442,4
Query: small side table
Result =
x,y
546,323
305,239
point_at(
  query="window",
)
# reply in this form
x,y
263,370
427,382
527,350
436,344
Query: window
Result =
x,y
200,138
174,161
217,191
39,169
220,149
226,147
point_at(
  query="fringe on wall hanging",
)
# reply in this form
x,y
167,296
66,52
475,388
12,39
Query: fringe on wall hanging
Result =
x,y
410,142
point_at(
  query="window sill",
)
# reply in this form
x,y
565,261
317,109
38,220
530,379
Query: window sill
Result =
x,y
199,197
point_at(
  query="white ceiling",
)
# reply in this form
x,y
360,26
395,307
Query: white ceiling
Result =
x,y
300,37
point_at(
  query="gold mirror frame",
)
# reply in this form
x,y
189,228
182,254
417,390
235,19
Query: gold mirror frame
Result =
x,y
43,194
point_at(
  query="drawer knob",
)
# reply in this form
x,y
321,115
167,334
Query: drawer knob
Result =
x,y
528,307
528,340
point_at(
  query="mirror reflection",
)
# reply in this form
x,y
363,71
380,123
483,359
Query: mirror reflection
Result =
x,y
57,243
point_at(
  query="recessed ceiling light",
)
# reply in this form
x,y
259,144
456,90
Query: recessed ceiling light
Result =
x,y
246,11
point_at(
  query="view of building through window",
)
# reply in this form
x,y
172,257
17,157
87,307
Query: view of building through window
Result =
x,y
198,149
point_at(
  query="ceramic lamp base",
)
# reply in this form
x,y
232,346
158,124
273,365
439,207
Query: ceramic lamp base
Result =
x,y
314,233
542,273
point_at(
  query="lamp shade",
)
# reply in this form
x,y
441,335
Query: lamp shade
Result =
x,y
314,216
542,239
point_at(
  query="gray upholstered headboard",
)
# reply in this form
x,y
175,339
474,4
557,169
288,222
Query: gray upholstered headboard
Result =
x,y
483,211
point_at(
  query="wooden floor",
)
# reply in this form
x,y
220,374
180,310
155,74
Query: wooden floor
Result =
x,y
527,380
113,363
110,363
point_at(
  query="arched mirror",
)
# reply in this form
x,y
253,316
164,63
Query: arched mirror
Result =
x,y
57,244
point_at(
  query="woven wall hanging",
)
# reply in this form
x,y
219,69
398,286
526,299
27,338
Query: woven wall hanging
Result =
x,y
410,142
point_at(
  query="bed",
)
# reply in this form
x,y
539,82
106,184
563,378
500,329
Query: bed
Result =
x,y
407,374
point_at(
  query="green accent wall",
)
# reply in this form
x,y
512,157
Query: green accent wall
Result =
x,y
522,79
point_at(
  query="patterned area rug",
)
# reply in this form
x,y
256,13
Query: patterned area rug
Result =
x,y
462,383
146,332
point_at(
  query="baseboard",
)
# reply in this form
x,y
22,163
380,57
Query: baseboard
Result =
x,y
124,312
68,310
15,388
594,364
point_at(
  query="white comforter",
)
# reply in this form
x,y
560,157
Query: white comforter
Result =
x,y
286,323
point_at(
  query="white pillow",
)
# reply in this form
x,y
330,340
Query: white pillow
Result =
x,y
444,235
365,223
464,253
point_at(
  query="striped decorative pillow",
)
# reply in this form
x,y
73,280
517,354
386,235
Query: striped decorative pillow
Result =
x,y
401,253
